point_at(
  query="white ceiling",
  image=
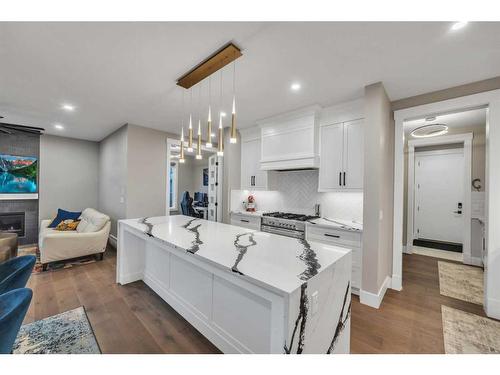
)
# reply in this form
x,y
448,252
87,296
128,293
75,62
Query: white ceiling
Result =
x,y
473,119
116,73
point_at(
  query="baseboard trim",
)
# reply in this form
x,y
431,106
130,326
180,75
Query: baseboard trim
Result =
x,y
492,308
113,240
396,282
473,261
372,299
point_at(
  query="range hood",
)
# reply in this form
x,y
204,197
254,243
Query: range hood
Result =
x,y
290,141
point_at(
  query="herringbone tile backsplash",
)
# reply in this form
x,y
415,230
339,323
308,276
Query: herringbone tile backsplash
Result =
x,y
297,191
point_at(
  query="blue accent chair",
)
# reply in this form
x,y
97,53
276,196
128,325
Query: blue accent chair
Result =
x,y
13,308
15,272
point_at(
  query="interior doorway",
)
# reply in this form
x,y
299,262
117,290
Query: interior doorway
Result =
x,y
440,169
194,186
484,204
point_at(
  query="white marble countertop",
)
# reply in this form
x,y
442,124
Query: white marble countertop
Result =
x,y
278,262
347,225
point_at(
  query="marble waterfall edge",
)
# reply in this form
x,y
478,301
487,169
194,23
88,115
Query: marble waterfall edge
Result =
x,y
314,278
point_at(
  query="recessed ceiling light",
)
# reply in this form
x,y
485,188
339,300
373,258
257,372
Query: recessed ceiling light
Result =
x,y
431,118
223,114
459,25
295,86
59,126
68,107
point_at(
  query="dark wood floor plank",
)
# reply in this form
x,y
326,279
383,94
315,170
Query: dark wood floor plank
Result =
x,y
133,319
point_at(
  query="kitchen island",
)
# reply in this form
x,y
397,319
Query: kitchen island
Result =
x,y
246,291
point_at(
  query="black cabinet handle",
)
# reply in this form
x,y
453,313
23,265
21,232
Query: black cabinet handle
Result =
x,y
340,178
244,221
331,235
344,178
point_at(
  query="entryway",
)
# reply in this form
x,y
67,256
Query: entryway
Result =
x,y
439,197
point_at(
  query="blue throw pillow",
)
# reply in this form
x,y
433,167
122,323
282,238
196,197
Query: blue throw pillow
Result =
x,y
64,215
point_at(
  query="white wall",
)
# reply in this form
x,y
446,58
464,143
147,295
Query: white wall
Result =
x,y
113,176
146,171
69,170
378,190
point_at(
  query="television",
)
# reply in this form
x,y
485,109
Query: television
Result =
x,y
18,174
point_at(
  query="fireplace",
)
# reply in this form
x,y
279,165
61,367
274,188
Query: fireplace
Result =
x,y
12,222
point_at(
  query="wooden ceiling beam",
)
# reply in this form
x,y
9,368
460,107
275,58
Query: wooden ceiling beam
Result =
x,y
215,62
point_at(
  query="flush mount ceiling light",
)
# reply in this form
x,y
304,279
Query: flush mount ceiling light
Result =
x,y
68,107
295,86
58,126
458,25
431,130
430,118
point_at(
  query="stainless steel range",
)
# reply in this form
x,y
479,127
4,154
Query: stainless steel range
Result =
x,y
286,224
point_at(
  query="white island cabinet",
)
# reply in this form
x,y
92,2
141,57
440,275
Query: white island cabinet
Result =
x,y
246,291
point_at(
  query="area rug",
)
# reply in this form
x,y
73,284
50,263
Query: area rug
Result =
x,y
466,333
461,282
67,333
33,250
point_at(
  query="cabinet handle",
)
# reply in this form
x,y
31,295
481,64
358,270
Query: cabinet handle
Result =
x,y
244,221
344,178
340,178
331,235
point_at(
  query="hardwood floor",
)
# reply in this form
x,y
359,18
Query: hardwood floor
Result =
x,y
133,319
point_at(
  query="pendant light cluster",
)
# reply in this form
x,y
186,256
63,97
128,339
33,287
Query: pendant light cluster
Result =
x,y
196,76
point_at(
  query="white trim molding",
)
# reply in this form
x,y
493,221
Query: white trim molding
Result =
x,y
372,299
491,101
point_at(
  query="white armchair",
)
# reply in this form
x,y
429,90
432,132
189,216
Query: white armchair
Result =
x,y
59,245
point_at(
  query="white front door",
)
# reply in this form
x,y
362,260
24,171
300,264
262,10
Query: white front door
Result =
x,y
439,195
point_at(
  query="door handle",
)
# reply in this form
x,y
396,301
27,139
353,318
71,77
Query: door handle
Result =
x,y
331,235
244,221
458,212
344,178
340,178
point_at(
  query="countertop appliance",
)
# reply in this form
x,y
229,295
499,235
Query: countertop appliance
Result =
x,y
285,224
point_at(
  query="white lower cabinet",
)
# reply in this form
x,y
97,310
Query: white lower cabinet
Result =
x,y
245,221
343,238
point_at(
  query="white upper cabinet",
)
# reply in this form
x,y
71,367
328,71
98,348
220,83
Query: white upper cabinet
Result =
x,y
252,177
331,163
290,141
341,149
353,154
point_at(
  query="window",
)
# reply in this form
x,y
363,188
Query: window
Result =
x,y
173,185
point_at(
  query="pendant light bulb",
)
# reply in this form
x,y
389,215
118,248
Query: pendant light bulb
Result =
x,y
220,151
209,128
198,152
181,156
233,138
190,135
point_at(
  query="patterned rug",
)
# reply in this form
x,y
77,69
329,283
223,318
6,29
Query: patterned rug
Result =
x,y
66,333
466,333
461,282
33,250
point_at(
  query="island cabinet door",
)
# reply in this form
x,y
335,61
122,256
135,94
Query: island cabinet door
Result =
x,y
236,315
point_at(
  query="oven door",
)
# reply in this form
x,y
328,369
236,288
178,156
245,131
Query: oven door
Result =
x,y
283,231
